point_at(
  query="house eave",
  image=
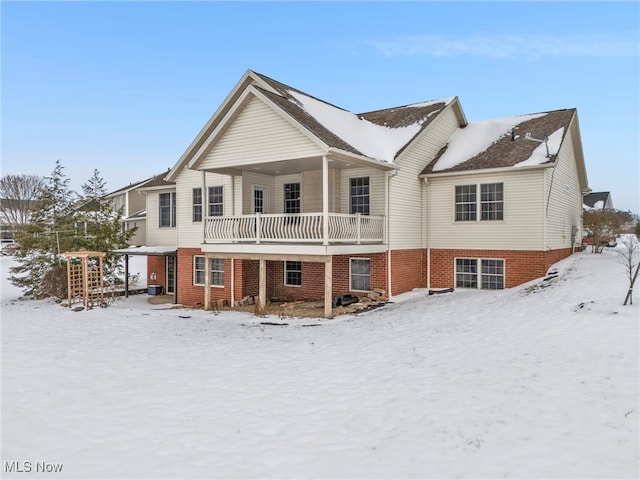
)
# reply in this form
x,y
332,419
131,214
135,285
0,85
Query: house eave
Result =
x,y
459,173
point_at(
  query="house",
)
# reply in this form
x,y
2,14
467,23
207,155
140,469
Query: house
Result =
x,y
597,201
132,201
282,195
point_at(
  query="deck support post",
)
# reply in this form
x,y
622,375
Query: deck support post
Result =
x,y
262,292
126,276
207,283
328,287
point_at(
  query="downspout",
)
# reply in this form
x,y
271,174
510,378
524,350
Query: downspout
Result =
x,y
387,234
428,225
233,260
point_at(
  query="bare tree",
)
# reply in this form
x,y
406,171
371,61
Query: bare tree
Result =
x,y
628,251
603,226
18,194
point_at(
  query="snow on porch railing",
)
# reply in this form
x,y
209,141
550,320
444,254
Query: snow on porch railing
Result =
x,y
294,228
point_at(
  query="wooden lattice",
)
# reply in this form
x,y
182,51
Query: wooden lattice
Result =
x,y
85,278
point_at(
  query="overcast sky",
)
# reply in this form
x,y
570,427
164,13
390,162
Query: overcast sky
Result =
x,y
125,86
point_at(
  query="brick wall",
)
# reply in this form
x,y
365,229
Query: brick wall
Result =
x,y
157,264
193,295
408,270
520,266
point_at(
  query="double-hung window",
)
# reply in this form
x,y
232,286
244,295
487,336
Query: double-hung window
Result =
x,y
465,202
360,273
167,214
485,273
359,195
291,198
490,201
293,274
197,204
216,266
216,201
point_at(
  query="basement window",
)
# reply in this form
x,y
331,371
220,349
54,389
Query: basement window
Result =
x,y
485,273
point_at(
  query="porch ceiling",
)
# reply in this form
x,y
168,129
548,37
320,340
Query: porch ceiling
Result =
x,y
292,166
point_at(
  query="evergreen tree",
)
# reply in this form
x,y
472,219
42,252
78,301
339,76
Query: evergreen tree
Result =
x,y
102,225
62,223
47,235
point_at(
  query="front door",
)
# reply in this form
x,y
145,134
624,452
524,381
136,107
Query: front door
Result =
x,y
170,287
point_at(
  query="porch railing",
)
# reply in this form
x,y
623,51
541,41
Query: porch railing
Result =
x,y
295,228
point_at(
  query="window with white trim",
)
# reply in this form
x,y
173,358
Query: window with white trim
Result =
x,y
491,202
359,195
292,197
197,204
167,214
485,273
216,201
216,266
360,274
293,274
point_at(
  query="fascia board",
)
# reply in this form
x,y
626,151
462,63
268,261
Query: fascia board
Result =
x,y
487,170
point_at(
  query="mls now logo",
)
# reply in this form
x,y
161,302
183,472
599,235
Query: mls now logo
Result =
x,y
27,467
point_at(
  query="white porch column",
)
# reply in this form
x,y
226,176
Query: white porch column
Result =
x,y
262,293
204,212
328,287
325,201
207,283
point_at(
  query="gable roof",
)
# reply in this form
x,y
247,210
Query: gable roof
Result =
x,y
380,135
590,199
155,181
505,142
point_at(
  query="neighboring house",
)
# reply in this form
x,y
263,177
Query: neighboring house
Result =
x,y
131,199
597,201
282,195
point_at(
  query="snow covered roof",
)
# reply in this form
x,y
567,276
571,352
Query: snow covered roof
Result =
x,y
505,142
144,250
380,135
597,201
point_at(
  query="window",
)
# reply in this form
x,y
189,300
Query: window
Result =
x,y
293,274
491,202
466,273
291,198
216,202
360,274
465,202
167,209
359,194
198,270
197,204
491,273
217,271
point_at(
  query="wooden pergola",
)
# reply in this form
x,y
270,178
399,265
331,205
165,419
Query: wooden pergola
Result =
x,y
85,283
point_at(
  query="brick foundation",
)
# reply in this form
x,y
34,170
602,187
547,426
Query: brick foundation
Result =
x,y
521,266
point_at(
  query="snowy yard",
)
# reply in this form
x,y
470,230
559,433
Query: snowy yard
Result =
x,y
540,381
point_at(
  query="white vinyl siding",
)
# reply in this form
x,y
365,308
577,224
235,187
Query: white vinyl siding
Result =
x,y
408,209
564,206
376,189
191,234
258,134
156,235
521,229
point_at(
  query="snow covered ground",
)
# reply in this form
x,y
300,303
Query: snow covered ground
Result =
x,y
540,381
